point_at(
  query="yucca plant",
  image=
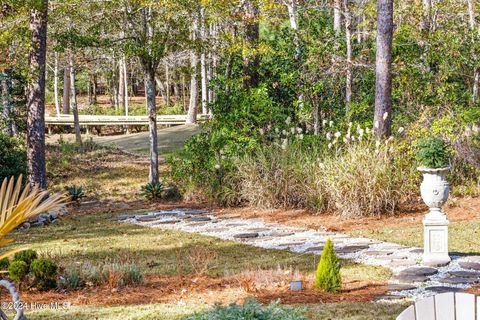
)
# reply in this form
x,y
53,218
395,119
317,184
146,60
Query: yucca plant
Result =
x,y
75,192
153,190
18,204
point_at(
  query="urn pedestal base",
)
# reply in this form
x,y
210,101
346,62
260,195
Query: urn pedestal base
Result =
x,y
435,233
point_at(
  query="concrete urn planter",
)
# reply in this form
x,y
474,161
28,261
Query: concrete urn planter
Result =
x,y
435,187
434,190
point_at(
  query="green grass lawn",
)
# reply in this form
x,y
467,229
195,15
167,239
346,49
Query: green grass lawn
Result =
x,y
334,311
96,239
92,239
463,236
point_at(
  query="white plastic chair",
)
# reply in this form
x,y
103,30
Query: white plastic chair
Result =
x,y
445,306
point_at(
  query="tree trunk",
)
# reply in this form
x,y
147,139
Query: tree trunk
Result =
x,y
76,120
476,74
292,14
337,16
125,85
383,70
94,88
167,83
203,64
251,60
36,95
66,89
184,94
121,84
149,68
427,14
193,106
116,100
152,123
348,38
55,85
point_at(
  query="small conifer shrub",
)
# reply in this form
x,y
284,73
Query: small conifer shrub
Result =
x,y
327,277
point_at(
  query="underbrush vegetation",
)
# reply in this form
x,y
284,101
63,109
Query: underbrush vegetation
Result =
x,y
13,157
269,161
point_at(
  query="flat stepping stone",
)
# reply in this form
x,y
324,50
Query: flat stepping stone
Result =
x,y
259,230
442,289
198,219
400,287
464,274
410,278
378,253
170,221
459,280
246,235
315,249
469,265
281,234
146,218
419,271
350,249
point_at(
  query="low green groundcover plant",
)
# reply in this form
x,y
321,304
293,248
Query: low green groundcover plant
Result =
x,y
251,310
432,153
327,277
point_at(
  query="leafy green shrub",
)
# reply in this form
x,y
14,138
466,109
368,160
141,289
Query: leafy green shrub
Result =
x,y
26,256
18,271
4,264
44,272
76,193
251,310
327,276
152,190
13,157
432,153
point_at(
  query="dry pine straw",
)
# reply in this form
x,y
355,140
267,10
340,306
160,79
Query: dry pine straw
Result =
x,y
203,290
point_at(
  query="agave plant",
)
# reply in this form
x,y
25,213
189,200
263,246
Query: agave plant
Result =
x,y
19,204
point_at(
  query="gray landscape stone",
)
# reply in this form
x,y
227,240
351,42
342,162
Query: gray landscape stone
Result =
x,y
246,235
199,218
146,218
459,280
169,221
469,265
281,234
378,253
315,249
442,289
419,271
350,249
464,274
410,278
400,287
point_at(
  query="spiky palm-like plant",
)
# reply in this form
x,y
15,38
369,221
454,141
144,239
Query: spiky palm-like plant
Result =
x,y
18,204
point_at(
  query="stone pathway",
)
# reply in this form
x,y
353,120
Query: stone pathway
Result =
x,y
411,279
